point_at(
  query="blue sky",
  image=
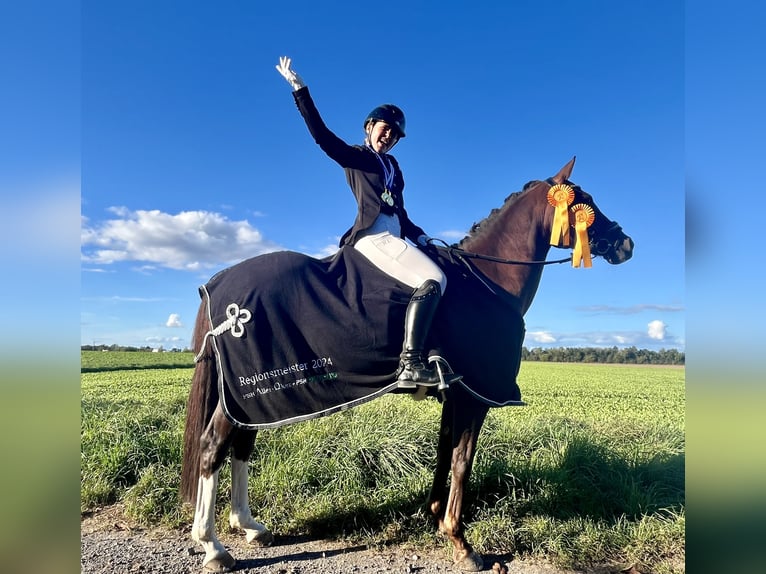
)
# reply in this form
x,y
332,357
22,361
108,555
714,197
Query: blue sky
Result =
x,y
194,155
147,110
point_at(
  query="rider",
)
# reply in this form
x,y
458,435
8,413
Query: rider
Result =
x,y
381,221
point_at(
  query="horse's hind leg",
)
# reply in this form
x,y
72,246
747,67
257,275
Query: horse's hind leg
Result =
x,y
466,426
214,444
241,517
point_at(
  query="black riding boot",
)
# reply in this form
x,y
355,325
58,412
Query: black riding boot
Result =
x,y
413,370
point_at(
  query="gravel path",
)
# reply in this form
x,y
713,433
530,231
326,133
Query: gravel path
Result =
x,y
111,544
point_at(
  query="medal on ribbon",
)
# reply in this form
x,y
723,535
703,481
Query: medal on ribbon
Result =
x,y
387,197
388,178
583,217
560,196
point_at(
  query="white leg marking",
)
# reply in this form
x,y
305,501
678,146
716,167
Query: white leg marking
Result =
x,y
203,530
240,516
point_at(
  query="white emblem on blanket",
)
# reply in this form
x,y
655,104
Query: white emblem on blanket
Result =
x,y
236,318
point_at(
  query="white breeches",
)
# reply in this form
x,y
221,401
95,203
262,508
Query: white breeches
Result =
x,y
401,260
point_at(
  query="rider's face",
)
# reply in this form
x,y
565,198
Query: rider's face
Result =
x,y
382,137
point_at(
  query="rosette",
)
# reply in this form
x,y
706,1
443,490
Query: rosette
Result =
x,y
583,218
560,196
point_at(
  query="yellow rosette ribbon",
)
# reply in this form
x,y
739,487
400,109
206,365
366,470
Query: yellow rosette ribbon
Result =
x,y
561,197
583,217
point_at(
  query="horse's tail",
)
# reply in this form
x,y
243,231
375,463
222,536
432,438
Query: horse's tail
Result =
x,y
203,399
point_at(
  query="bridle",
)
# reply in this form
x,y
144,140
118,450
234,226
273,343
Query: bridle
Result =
x,y
600,246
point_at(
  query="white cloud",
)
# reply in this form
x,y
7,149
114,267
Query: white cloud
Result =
x,y
656,330
174,320
638,339
189,240
540,337
451,235
326,251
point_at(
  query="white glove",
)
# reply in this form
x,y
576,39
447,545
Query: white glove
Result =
x,y
289,74
424,240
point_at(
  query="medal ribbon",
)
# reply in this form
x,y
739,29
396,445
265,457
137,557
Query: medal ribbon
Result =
x,y
388,178
583,216
560,196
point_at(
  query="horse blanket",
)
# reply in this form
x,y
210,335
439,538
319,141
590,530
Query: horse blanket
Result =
x,y
296,337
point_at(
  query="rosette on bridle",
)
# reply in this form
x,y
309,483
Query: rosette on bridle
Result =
x,y
583,217
560,196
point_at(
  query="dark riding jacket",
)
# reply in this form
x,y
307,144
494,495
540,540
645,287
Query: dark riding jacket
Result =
x,y
364,174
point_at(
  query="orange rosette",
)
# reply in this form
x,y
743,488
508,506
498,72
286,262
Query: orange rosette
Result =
x,y
583,218
560,196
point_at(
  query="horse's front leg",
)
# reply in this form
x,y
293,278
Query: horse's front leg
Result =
x,y
241,516
465,436
214,444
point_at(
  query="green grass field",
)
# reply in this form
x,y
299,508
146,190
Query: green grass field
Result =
x,y
590,473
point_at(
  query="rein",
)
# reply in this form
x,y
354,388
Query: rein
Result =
x,y
470,255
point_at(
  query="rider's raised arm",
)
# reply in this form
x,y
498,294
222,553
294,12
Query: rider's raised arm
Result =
x,y
344,154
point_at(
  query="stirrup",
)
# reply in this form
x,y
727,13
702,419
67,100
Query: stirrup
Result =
x,y
410,384
445,372
443,369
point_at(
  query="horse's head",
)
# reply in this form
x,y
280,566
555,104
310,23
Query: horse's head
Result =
x,y
605,236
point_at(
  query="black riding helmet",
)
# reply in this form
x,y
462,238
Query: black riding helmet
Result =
x,y
390,114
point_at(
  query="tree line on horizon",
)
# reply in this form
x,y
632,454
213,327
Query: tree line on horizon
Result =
x,y
627,355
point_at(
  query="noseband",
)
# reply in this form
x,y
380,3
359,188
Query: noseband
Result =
x,y
602,245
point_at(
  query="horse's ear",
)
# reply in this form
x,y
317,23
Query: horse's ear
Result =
x,y
565,171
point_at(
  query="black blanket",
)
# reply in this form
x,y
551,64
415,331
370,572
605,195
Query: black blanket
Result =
x,y
297,337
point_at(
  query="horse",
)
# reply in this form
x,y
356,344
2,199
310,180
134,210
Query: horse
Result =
x,y
524,229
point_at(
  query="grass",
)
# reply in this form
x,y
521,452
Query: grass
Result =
x,y
590,473
92,361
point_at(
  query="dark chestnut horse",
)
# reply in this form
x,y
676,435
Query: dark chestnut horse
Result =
x,y
522,230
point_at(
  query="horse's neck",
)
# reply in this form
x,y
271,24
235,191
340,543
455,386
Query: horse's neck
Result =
x,y
518,232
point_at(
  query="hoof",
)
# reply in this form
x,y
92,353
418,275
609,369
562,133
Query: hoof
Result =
x,y
223,563
262,539
471,563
